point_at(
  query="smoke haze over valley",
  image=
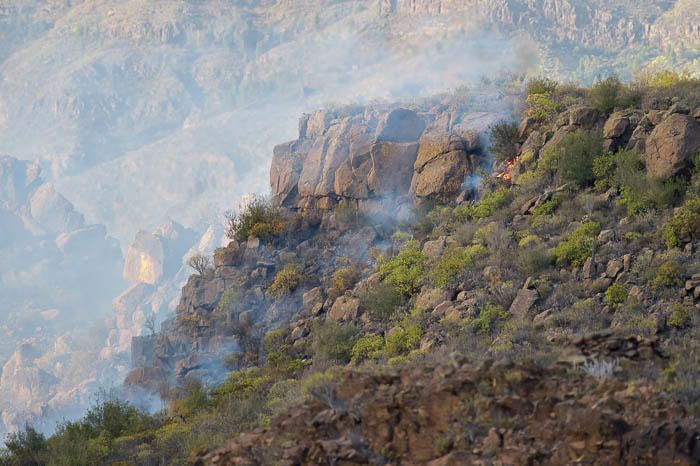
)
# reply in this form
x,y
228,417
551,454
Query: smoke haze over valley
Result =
x,y
128,129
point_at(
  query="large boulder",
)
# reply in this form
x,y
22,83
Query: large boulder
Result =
x,y
345,308
671,145
443,163
619,128
53,211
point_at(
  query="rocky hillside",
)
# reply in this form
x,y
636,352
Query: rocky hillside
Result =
x,y
446,411
549,276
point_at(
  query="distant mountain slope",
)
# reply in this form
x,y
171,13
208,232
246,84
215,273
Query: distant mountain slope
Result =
x,y
85,83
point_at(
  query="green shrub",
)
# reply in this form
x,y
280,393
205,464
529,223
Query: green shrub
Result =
x,y
274,339
258,218
317,380
528,241
90,440
574,157
504,140
680,316
639,193
406,270
541,107
333,341
367,347
380,301
491,202
615,295
684,225
603,169
25,447
453,263
277,352
403,338
488,316
541,85
578,246
286,281
666,79
244,383
194,400
344,278
668,274
547,207
604,94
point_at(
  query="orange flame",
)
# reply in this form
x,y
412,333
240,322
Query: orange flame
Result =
x,y
506,174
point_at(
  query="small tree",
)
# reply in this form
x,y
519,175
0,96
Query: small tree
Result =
x,y
201,263
504,140
257,218
605,94
26,446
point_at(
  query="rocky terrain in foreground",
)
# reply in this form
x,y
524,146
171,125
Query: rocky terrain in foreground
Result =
x,y
447,412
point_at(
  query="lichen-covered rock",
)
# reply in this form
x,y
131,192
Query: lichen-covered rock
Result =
x,y
671,145
417,413
523,302
392,167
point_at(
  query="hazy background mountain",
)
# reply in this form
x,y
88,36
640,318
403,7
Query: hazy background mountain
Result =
x,y
141,111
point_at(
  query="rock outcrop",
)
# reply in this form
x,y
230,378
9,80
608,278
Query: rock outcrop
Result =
x,y
376,154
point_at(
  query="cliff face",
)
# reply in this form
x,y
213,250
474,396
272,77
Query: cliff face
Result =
x,y
376,159
590,23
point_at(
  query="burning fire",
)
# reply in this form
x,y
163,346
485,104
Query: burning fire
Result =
x,y
506,174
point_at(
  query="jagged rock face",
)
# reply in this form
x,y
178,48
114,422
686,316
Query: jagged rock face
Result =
x,y
53,211
588,22
671,145
374,154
